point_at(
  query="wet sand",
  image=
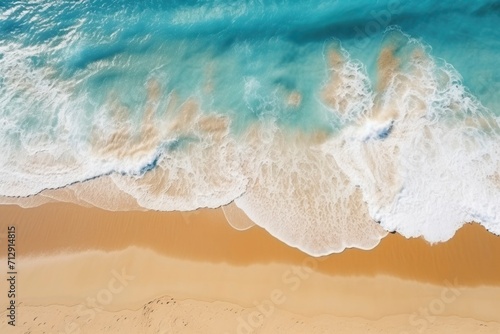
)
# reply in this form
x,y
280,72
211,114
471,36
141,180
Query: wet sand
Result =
x,y
68,254
472,255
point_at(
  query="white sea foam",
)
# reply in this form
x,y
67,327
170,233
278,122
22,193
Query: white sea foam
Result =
x,y
301,197
34,136
430,175
417,153
237,217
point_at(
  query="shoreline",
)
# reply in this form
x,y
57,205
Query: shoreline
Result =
x,y
122,271
204,235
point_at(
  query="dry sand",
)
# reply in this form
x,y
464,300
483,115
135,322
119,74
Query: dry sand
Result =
x,y
85,270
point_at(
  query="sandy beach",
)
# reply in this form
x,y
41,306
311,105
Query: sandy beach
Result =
x,y
249,167
86,270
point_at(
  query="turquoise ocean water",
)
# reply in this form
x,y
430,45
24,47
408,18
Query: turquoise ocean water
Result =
x,y
328,122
